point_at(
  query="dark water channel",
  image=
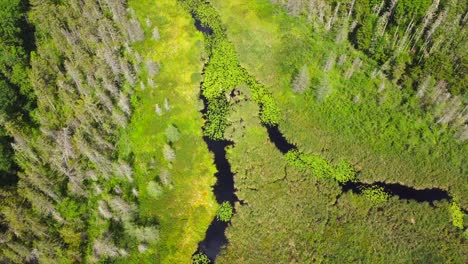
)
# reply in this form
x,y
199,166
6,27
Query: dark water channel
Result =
x,y
224,190
402,191
215,238
200,27
279,140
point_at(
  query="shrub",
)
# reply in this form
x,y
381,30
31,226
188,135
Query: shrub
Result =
x,y
156,35
154,189
301,81
457,215
216,118
169,153
172,133
105,249
200,258
270,112
293,157
376,195
165,177
320,167
143,234
323,88
345,172
224,212
152,67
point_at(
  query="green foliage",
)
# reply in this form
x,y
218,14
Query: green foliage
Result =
x,y
225,212
70,169
223,73
13,76
206,14
365,32
440,66
457,215
87,186
200,258
345,172
13,57
408,10
6,154
401,36
376,195
270,113
71,209
320,167
293,157
216,116
12,13
8,100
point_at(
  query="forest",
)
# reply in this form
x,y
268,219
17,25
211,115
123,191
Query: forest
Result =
x,y
239,131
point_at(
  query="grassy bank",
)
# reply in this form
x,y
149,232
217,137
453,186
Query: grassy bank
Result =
x,y
173,167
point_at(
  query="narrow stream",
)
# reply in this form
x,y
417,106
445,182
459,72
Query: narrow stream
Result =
x,y
200,27
403,192
224,190
279,140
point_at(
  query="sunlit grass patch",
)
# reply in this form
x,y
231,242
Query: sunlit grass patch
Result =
x,y
176,193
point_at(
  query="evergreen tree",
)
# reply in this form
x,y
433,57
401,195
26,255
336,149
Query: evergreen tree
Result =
x,y
302,80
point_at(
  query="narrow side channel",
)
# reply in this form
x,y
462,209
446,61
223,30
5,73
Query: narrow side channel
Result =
x,y
403,192
224,190
279,140
215,237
